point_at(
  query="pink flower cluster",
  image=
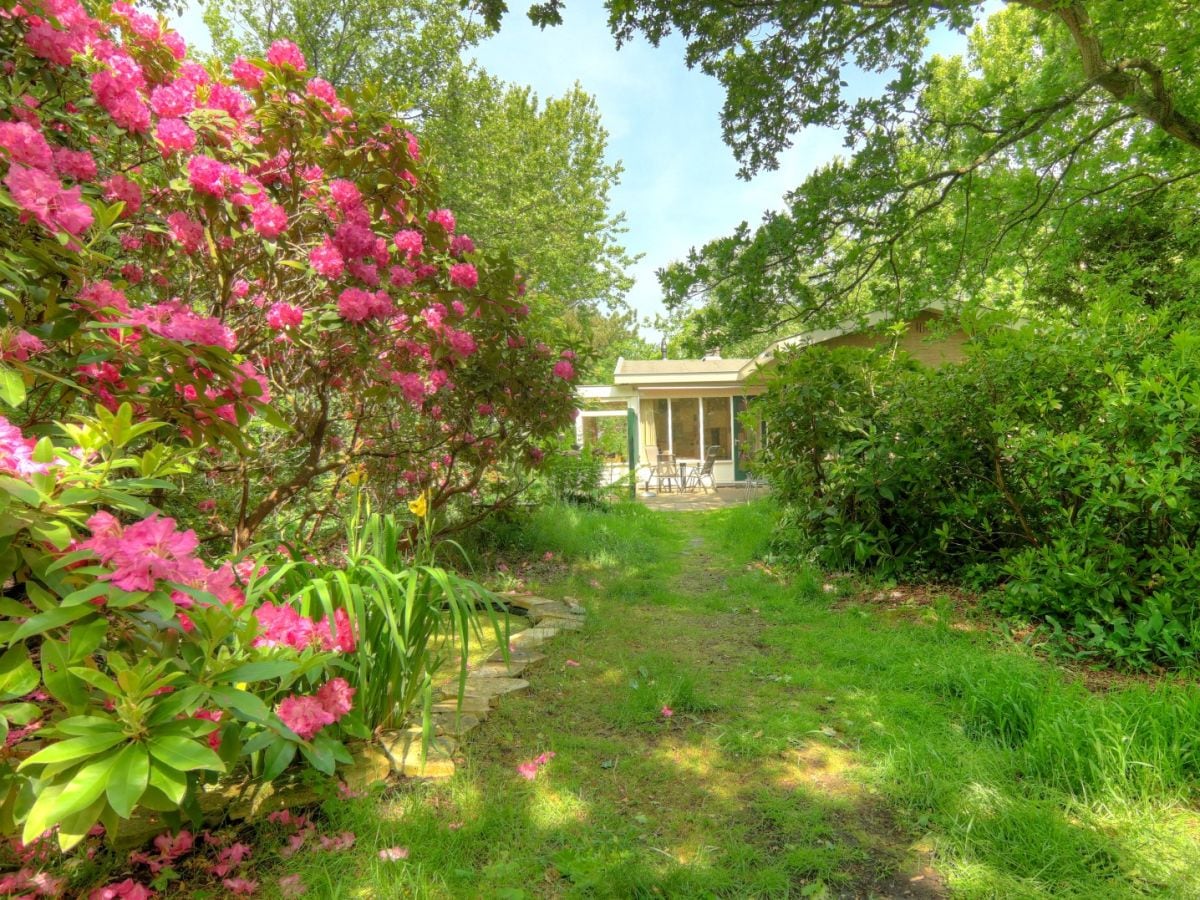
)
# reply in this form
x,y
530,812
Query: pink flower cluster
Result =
x,y
283,626
306,714
16,452
153,550
175,321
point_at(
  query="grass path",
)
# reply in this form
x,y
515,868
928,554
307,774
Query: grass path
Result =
x,y
815,749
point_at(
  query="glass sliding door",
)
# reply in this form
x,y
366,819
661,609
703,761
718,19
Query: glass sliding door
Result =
x,y
718,427
685,427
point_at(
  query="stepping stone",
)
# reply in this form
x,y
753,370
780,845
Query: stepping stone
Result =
x,y
524,601
457,726
532,637
475,705
494,687
527,656
404,750
550,608
567,623
500,669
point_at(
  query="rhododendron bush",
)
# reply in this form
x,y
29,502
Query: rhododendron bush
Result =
x,y
225,300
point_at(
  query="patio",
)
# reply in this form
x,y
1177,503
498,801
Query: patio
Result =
x,y
697,500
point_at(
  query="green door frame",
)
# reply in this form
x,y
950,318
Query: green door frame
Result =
x,y
739,407
631,436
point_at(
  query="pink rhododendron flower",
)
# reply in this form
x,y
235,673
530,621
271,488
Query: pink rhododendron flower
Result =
x,y
16,452
174,136
186,231
564,370
336,696
321,90
122,890
43,197
327,260
246,73
172,101
401,277
20,345
26,146
213,177
393,854
464,275
461,245
343,841
120,188
409,242
304,715
345,194
78,165
212,715
117,90
143,553
443,217
284,315
175,321
269,220
285,53
461,342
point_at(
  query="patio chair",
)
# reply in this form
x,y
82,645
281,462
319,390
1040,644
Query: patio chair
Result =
x,y
704,470
664,471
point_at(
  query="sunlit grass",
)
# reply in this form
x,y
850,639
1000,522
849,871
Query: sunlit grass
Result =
x,y
813,745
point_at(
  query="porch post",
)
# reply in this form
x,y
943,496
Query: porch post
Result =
x,y
631,437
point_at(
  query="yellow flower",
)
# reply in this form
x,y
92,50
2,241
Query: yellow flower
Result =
x,y
356,476
419,507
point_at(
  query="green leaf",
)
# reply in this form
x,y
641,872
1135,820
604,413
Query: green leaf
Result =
x,y
264,670
53,618
56,802
243,702
18,676
72,749
277,758
183,754
130,777
12,387
171,783
96,679
85,725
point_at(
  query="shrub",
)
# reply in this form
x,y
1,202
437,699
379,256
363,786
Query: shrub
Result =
x,y
1062,461
223,285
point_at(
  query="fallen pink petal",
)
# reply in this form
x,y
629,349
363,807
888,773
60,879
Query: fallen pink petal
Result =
x,y
393,854
292,886
667,712
570,663
343,841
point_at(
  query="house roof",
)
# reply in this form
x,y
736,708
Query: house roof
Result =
x,y
677,371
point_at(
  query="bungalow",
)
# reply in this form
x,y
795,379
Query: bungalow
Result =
x,y
691,407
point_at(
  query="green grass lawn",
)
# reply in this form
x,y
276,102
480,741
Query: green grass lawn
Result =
x,y
818,747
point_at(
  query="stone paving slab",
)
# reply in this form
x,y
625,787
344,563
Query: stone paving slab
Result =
x,y
532,637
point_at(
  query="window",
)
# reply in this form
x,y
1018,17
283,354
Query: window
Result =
x,y
685,427
662,425
605,437
718,430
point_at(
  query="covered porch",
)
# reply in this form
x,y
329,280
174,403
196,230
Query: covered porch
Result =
x,y
675,424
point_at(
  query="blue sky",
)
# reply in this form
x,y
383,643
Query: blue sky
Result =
x,y
680,187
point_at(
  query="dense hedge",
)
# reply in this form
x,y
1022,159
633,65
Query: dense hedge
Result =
x,y
1059,462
